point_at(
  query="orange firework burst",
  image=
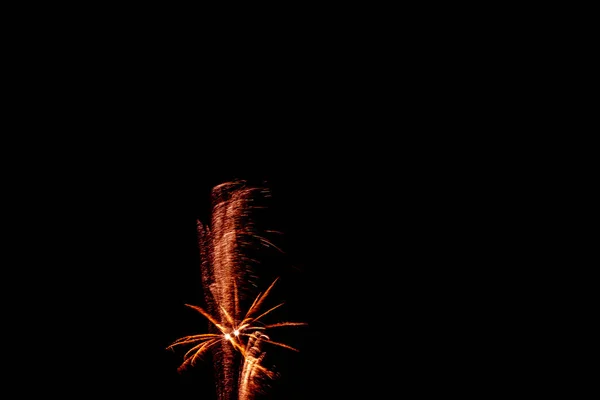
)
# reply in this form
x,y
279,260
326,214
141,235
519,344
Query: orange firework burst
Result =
x,y
234,332
226,269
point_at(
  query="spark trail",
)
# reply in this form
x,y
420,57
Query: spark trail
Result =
x,y
236,340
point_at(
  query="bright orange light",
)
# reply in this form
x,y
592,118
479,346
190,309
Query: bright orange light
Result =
x,y
225,265
205,341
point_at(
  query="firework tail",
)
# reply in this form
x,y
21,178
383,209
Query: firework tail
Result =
x,y
224,270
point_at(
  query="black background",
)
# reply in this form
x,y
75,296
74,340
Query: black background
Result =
x,y
413,208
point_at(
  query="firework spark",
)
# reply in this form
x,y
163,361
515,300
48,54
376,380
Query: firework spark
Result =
x,y
234,332
228,277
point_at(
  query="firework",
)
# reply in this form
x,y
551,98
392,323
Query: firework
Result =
x,y
236,340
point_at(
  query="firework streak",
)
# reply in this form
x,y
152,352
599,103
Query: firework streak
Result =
x,y
236,339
